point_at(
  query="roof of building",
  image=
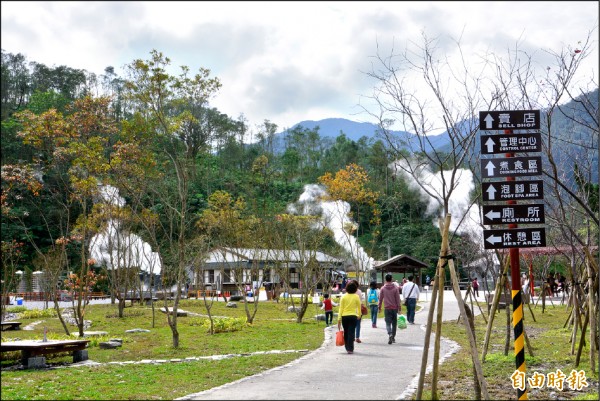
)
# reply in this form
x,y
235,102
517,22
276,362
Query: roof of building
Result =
x,y
233,255
400,263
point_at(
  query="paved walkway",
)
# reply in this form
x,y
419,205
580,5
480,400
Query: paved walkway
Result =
x,y
375,371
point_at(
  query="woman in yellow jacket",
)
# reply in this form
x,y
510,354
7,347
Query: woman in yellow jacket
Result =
x,y
348,315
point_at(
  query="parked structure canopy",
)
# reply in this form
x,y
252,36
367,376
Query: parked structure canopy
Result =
x,y
401,264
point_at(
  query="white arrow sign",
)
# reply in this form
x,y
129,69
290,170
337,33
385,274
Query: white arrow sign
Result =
x,y
492,239
490,168
488,121
493,215
491,192
490,145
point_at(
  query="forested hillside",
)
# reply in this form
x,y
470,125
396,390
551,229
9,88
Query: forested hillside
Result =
x,y
185,170
60,140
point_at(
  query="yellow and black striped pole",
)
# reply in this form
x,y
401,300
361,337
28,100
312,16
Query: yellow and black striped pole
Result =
x,y
517,301
518,329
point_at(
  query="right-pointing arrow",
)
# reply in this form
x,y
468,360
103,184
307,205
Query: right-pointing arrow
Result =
x,y
492,239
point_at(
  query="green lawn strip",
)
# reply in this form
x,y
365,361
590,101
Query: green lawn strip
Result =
x,y
273,329
551,347
134,381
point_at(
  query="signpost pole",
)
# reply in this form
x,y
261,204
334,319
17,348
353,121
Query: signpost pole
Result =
x,y
518,327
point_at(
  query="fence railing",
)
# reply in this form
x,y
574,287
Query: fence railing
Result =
x,y
61,295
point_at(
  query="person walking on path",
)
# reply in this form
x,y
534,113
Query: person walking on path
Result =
x,y
358,324
390,297
373,301
348,315
475,285
328,305
410,291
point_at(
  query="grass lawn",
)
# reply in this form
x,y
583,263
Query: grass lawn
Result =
x,y
550,345
273,329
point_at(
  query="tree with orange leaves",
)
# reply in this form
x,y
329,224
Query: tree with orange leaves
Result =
x,y
351,185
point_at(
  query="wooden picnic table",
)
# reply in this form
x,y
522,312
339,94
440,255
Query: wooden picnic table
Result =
x,y
32,351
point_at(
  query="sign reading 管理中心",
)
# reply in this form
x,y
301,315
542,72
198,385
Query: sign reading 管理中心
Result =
x,y
494,144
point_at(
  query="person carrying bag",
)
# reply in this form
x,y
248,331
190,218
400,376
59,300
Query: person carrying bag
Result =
x,y
339,338
411,303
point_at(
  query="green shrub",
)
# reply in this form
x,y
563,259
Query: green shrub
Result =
x,y
220,324
16,309
37,313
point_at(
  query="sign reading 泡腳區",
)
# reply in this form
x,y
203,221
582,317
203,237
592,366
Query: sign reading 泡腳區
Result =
x,y
513,190
509,119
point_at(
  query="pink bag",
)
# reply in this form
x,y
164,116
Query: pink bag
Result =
x,y
339,338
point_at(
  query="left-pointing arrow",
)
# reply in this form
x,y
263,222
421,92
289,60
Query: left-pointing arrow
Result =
x,y
492,239
492,215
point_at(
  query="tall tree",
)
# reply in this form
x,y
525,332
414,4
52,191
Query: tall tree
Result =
x,y
167,103
351,185
72,149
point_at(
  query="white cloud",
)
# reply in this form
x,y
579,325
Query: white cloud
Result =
x,y
283,61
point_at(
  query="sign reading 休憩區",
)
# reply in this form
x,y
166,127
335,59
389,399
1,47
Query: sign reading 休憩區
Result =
x,y
514,238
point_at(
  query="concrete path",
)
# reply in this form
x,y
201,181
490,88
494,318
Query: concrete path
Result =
x,y
376,370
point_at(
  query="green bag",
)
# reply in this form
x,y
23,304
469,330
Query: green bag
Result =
x,y
401,322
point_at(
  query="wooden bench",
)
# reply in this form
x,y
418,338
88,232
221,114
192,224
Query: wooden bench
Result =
x,y
11,326
502,302
33,351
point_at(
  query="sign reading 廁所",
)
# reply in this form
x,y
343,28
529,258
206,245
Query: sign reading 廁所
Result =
x,y
514,214
509,119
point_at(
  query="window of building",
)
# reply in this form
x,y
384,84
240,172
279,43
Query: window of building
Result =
x,y
209,276
294,278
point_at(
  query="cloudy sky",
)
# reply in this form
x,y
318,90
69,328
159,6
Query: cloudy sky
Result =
x,y
284,61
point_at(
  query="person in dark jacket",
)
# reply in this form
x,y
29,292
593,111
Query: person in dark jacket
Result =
x,y
390,297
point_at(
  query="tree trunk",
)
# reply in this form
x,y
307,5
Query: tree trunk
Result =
x,y
442,262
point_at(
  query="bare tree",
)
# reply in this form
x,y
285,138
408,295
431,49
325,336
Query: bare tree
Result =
x,y
445,99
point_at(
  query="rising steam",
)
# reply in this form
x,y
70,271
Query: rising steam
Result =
x,y
335,216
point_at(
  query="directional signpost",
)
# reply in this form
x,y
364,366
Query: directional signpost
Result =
x,y
514,238
494,144
510,191
511,167
514,119
513,190
517,214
